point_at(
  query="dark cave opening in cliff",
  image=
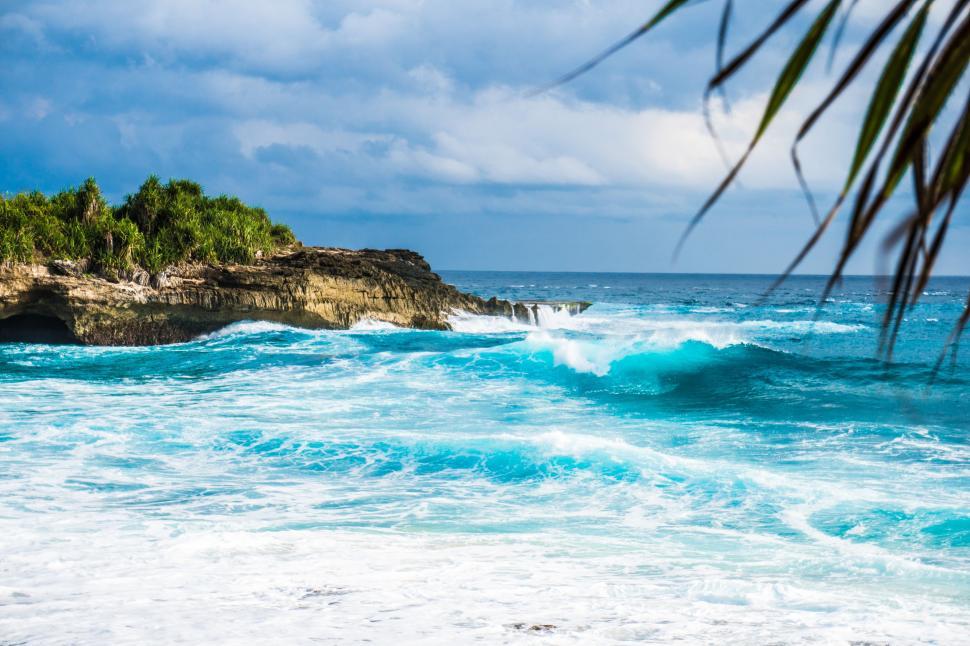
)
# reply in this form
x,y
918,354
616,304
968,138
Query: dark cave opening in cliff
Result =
x,y
36,328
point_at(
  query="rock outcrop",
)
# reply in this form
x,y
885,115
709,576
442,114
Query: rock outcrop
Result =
x,y
309,287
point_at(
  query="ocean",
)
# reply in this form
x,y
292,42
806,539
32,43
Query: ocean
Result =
x,y
684,461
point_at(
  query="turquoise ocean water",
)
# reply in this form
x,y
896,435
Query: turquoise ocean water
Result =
x,y
679,462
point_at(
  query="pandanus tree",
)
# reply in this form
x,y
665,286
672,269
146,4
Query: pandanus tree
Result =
x,y
157,226
917,92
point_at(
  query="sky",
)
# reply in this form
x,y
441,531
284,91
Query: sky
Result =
x,y
411,123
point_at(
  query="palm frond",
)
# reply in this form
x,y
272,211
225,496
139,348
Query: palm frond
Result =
x,y
904,111
786,82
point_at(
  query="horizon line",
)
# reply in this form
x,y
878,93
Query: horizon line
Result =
x,y
681,273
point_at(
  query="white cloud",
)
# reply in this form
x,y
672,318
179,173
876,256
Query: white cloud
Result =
x,y
408,106
26,25
38,108
409,100
870,12
308,36
410,114
378,26
500,136
266,35
430,79
262,133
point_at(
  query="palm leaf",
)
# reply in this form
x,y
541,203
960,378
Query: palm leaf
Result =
x,y
941,82
861,218
837,38
786,82
893,137
665,12
739,61
887,89
863,56
722,32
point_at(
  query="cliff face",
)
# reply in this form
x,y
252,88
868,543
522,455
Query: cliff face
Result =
x,y
311,287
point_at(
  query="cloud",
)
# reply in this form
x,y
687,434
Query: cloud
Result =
x,y
337,39
38,108
406,108
258,34
25,25
256,134
412,114
870,12
500,136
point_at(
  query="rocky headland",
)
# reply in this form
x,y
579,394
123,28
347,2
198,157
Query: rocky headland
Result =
x,y
170,263
311,287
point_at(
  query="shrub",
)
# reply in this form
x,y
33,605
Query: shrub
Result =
x,y
159,225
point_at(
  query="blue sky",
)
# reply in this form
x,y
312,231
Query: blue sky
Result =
x,y
406,123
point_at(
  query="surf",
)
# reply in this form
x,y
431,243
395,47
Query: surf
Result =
x,y
683,454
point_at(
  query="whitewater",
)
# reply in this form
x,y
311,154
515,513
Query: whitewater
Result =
x,y
684,461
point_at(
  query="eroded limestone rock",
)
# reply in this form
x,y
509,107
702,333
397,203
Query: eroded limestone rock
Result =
x,y
309,287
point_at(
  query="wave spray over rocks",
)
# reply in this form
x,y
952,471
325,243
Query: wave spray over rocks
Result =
x,y
314,288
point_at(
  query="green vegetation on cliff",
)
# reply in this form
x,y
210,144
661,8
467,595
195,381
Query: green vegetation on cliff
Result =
x,y
160,225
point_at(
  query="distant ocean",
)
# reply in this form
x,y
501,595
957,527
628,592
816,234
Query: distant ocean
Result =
x,y
679,462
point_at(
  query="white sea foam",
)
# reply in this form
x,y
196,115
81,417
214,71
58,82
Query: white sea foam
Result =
x,y
668,331
243,328
373,325
479,324
559,442
233,586
581,356
345,491
593,341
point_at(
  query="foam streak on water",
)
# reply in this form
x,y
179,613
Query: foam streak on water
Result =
x,y
677,463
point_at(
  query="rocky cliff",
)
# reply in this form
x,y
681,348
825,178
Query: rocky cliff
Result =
x,y
309,287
